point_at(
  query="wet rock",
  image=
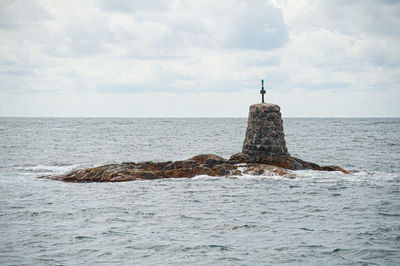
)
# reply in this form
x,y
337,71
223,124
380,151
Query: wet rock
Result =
x,y
265,169
207,164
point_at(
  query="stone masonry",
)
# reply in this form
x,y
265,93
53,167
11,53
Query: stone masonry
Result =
x,y
264,134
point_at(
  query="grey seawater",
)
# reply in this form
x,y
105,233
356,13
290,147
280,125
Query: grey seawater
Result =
x,y
318,218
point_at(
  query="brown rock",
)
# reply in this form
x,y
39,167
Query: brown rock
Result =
x,y
208,164
265,169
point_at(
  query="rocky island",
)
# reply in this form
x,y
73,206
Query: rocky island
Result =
x,y
264,153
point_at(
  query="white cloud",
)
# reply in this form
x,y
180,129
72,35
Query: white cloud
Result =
x,y
195,49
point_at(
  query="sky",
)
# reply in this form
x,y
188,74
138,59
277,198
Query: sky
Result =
x,y
199,58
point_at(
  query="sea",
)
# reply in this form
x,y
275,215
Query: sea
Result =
x,y
318,218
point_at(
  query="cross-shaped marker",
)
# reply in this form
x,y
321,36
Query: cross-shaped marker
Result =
x,y
262,91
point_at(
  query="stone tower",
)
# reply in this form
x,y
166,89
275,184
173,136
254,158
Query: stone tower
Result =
x,y
264,139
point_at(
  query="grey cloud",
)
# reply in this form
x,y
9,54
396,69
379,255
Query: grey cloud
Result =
x,y
15,13
129,6
123,88
324,85
77,40
153,55
131,88
367,30
261,61
391,2
17,72
261,27
370,16
384,62
20,85
167,84
255,27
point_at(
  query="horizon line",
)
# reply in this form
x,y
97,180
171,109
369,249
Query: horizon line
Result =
x,y
180,117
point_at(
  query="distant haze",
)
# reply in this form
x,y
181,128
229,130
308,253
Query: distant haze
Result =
x,y
197,58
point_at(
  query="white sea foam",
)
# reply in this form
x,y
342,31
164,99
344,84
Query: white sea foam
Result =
x,y
206,177
257,177
47,168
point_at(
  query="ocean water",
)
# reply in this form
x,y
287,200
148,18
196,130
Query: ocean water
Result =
x,y
319,218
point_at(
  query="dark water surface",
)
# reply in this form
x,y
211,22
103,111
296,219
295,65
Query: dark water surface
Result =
x,y
318,218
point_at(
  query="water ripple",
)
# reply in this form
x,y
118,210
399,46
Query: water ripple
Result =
x,y
318,218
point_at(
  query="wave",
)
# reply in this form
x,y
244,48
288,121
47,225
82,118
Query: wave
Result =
x,y
324,176
47,169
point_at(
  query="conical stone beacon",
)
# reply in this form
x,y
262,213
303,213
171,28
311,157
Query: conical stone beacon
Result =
x,y
265,143
264,134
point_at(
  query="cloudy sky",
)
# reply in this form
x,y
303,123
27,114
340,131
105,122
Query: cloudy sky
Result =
x,y
169,58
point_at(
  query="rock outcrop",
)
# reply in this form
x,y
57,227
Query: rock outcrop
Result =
x,y
205,164
264,153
